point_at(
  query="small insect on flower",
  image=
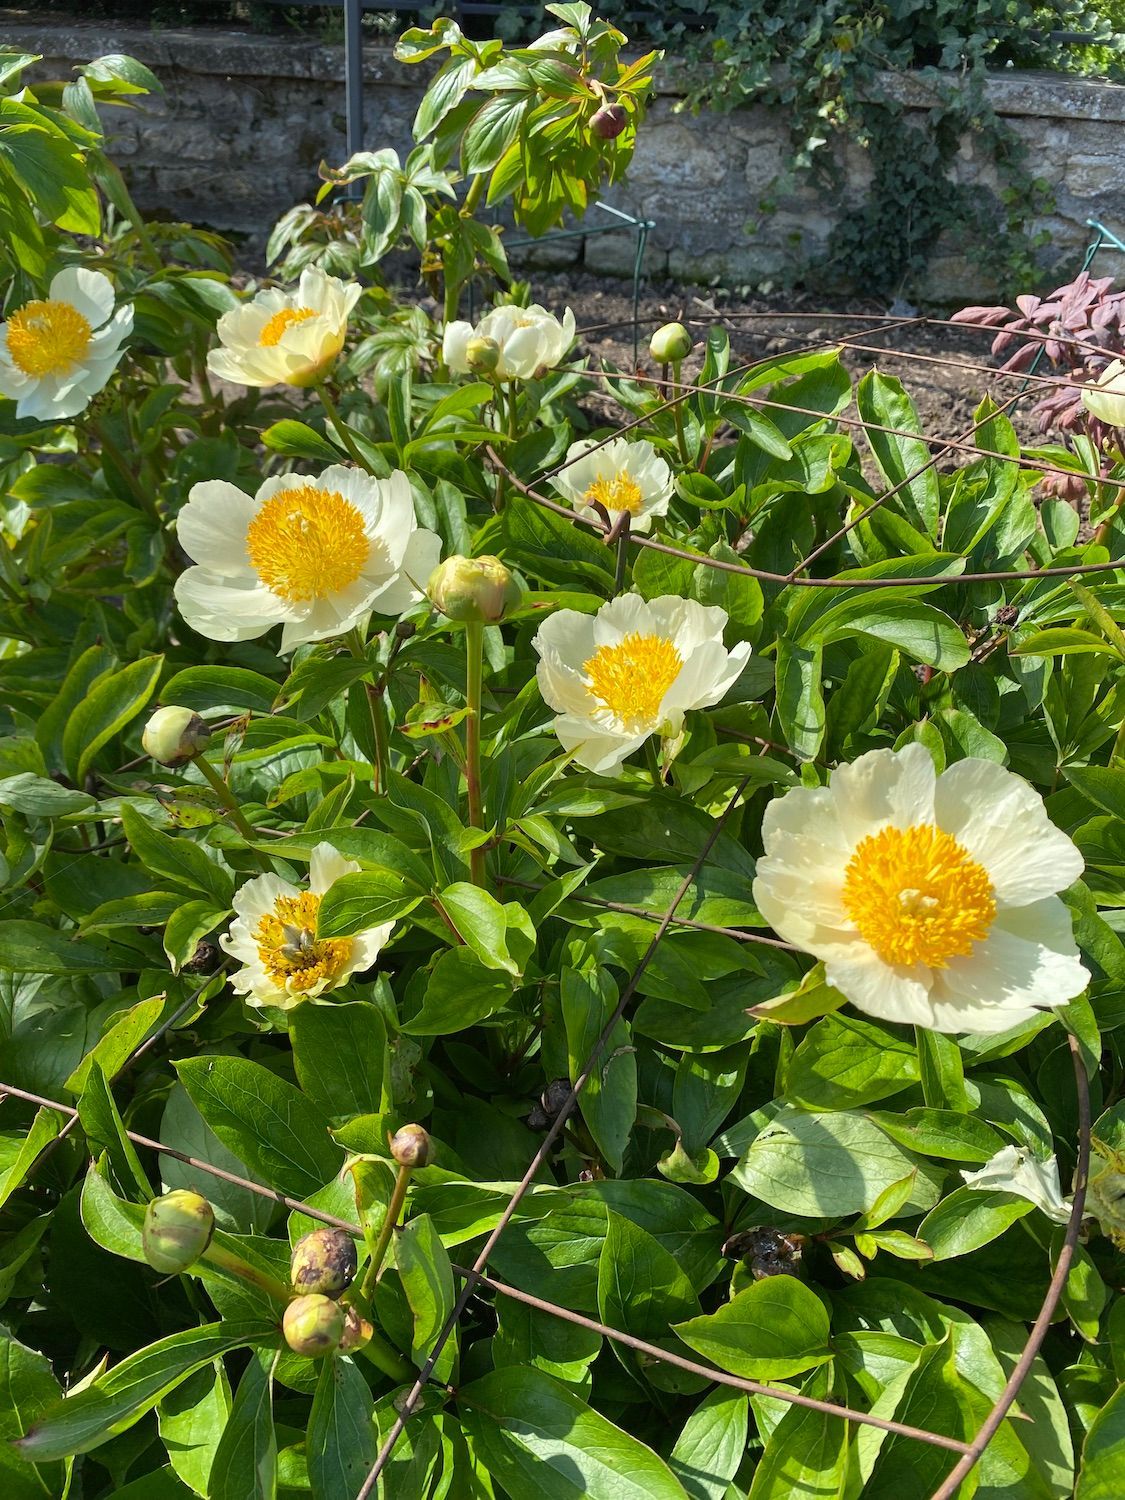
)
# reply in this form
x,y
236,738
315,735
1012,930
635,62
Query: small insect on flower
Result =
x,y
931,899
274,937
632,670
285,338
57,353
529,342
626,478
315,555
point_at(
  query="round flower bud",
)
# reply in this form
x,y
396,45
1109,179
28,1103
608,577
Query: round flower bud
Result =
x,y
313,1326
609,121
175,735
410,1146
473,589
482,355
357,1331
177,1229
324,1262
670,344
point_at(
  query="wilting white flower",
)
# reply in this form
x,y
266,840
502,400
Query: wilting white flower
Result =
x,y
56,354
529,339
285,338
625,477
931,899
1105,399
274,937
315,554
1015,1170
630,671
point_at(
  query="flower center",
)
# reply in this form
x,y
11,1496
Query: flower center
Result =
x,y
307,543
917,897
281,322
622,492
289,950
631,678
47,338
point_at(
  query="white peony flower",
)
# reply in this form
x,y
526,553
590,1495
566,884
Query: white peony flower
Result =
x,y
529,339
57,354
1105,399
931,899
1015,1170
630,671
274,937
625,477
285,338
314,554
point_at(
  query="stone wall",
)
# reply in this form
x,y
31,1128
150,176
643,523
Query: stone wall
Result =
x,y
245,120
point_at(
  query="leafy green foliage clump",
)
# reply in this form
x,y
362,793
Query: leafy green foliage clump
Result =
x,y
507,1027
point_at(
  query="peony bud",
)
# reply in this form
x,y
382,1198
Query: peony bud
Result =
x,y
324,1262
177,1229
357,1331
473,589
670,344
482,355
313,1326
175,735
410,1146
609,121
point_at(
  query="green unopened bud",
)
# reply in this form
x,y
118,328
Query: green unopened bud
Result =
x,y
177,1229
473,589
411,1146
482,355
608,122
323,1261
670,344
357,1331
313,1326
173,736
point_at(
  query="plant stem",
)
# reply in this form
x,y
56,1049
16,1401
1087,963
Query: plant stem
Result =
x,y
377,710
501,426
472,197
226,1260
474,671
378,1255
678,411
622,558
380,1353
227,798
342,432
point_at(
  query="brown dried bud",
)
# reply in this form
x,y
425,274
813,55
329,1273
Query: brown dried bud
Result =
x,y
205,960
609,121
177,1229
411,1146
767,1251
313,1326
357,1332
324,1261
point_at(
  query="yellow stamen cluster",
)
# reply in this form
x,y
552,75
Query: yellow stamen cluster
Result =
x,y
289,950
631,678
47,338
622,492
307,543
280,324
917,897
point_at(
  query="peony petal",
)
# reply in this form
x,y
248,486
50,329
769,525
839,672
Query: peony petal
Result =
x,y
326,866
222,610
88,292
884,787
598,749
212,526
889,994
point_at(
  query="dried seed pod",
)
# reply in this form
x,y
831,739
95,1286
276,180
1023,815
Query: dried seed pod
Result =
x,y
313,1326
177,1229
324,1261
767,1251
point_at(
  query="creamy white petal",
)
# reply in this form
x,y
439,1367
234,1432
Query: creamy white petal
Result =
x,y
369,944
455,345
211,528
880,990
222,610
88,292
884,787
407,587
1014,1169
327,865
1007,972
599,750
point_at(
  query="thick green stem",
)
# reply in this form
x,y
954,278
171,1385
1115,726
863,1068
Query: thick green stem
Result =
x,y
226,1260
472,197
378,712
678,397
227,798
380,1354
346,439
378,1255
474,672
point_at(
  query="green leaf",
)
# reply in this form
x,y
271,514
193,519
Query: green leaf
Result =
x,y
844,1062
221,690
493,129
1103,1454
459,992
120,1397
609,1099
541,1442
501,936
775,1328
941,1132
806,1453
800,699
40,797
280,1134
340,1054
119,1041
938,1399
641,1289
341,1443
181,861
28,1388
883,402
113,702
245,1463
1104,787
710,1447
192,1418
427,1280
968,1219
32,948
368,898
298,440
19,1153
